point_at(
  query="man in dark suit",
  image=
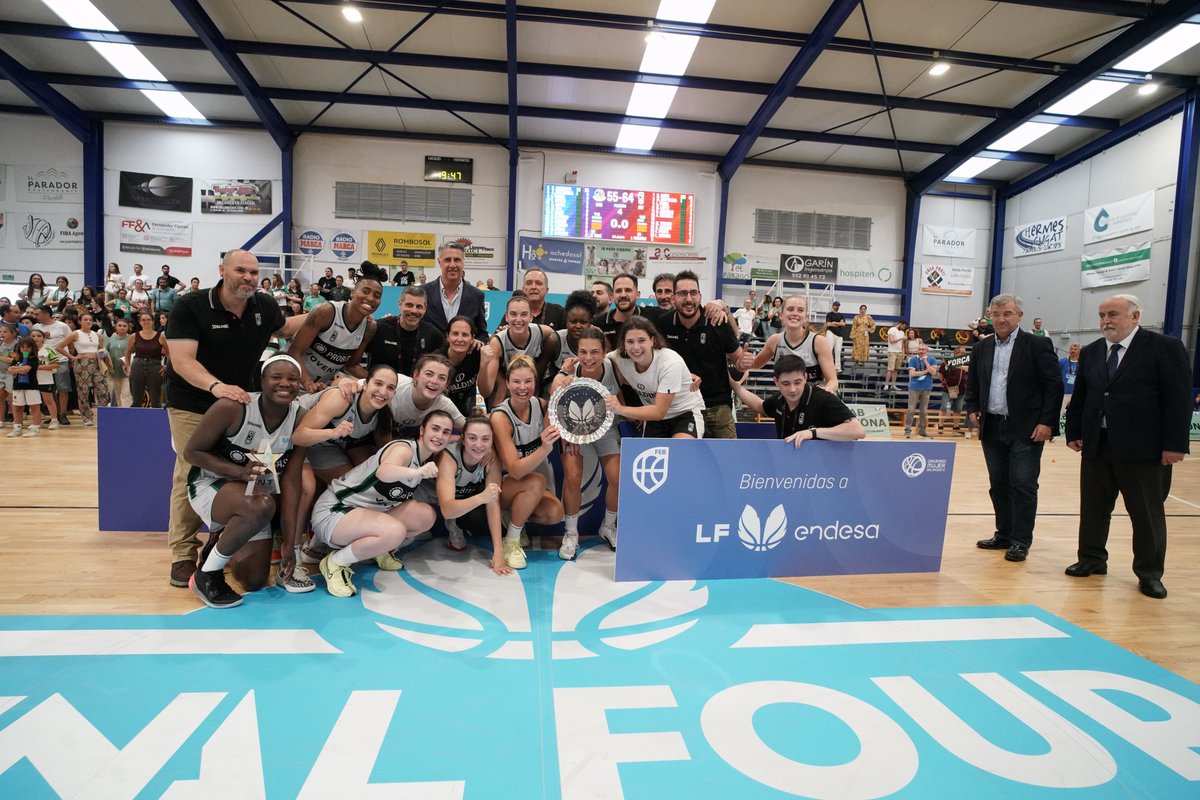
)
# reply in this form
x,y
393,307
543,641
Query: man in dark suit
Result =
x,y
449,296
1129,416
1014,391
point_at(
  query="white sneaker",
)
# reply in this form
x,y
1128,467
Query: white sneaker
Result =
x,y
570,546
609,534
299,583
514,556
31,433
87,423
53,425
457,540
14,433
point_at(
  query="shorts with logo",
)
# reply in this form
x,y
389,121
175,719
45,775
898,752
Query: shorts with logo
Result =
x,y
691,423
202,493
27,397
896,360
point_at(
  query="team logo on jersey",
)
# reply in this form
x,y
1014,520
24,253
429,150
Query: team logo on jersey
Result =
x,y
650,469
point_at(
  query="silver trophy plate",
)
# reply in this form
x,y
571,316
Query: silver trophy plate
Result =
x,y
578,411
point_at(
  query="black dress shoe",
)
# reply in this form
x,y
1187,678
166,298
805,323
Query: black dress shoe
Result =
x,y
994,543
1016,552
1152,588
1081,569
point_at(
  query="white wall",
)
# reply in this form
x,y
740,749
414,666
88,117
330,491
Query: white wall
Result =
x,y
951,311
27,140
1050,283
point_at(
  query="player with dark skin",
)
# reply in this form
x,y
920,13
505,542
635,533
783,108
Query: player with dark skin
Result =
x,y
363,302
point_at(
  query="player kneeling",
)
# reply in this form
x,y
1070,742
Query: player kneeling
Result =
x,y
801,410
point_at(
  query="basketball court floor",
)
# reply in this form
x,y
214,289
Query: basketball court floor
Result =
x,y
987,679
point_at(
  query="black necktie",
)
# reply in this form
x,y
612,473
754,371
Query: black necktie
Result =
x,y
1113,361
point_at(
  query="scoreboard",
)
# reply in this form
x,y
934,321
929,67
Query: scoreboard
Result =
x,y
627,215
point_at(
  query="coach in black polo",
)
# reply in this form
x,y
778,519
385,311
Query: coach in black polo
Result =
x,y
706,348
216,338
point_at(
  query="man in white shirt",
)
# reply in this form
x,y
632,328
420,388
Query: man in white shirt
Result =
x,y
745,319
895,353
55,331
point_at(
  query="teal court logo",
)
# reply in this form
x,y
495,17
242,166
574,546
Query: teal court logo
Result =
x,y
564,684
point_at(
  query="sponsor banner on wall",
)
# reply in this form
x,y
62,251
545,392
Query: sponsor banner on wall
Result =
x,y
1044,236
552,255
156,237
392,247
743,266
335,245
873,418
608,260
941,279
1112,267
50,231
812,269
158,192
480,251
50,184
937,240
686,257
706,509
3,181
1118,218
235,196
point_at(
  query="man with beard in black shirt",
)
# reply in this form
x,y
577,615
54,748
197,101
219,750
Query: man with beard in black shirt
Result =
x,y
400,341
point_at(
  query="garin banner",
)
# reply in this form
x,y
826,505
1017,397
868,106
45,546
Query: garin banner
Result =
x,y
159,192
705,509
815,269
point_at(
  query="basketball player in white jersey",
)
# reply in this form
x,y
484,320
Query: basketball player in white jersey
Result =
x,y
797,340
335,334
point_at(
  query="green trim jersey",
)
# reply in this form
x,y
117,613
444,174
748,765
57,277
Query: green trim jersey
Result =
x,y
467,482
361,487
333,347
252,433
527,436
362,428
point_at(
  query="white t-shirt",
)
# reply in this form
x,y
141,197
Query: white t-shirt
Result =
x,y
896,337
405,413
667,374
745,320
55,332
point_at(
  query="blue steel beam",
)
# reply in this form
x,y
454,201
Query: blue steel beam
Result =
x,y
996,267
722,225
1098,145
284,50
825,30
215,41
64,112
1181,223
1112,8
912,227
510,44
1160,19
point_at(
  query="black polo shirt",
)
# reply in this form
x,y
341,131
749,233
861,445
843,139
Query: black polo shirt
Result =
x,y
399,348
837,316
327,285
553,315
704,348
817,409
404,278
227,346
607,322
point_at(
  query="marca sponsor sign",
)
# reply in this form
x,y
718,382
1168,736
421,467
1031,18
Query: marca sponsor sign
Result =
x,y
158,192
49,231
1113,267
943,279
156,237
51,184
235,196
392,247
817,269
937,240
1119,218
713,509
553,255
330,244
1044,236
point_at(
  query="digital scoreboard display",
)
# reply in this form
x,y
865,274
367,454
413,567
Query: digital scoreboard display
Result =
x,y
625,215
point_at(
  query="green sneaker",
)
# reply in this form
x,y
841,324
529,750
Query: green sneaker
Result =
x,y
337,578
514,556
389,562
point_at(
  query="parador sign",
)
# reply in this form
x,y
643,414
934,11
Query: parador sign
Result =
x,y
48,184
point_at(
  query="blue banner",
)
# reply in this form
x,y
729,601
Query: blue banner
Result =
x,y
751,509
551,255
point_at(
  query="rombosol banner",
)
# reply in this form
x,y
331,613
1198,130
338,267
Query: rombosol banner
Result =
x,y
392,247
1112,267
948,242
1119,218
1044,236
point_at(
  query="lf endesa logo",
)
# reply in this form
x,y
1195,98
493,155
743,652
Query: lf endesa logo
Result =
x,y
759,536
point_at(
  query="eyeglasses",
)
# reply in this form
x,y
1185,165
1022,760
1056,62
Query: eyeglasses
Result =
x,y
688,293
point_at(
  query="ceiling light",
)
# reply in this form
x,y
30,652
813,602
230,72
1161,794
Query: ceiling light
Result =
x,y
650,100
1179,39
637,137
971,167
351,13
1148,88
1085,97
939,68
173,104
1021,136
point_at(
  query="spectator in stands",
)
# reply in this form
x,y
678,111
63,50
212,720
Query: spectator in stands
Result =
x,y
54,331
922,367
120,306
139,298
172,281
895,354
340,290
954,393
835,321
404,276
745,319
801,410
861,328
113,281
295,298
327,283
911,342
1038,330
775,315
10,314
144,363
1069,365
193,286
117,346
400,341
314,297
163,296
60,293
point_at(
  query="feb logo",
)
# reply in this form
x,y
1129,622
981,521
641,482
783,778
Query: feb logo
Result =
x,y
453,602
761,537
914,465
650,469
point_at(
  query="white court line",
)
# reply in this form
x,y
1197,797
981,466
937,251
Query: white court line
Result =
x,y
161,642
817,634
1185,502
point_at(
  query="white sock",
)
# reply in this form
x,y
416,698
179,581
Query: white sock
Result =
x,y
572,522
215,561
610,518
514,531
345,557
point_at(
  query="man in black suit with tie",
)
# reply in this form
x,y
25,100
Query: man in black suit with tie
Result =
x,y
1014,392
1129,416
449,296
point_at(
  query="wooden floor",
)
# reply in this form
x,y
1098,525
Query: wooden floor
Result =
x,y
54,561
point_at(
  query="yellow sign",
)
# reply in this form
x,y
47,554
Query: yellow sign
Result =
x,y
392,247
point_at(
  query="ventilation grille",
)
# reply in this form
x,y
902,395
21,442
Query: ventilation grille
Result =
x,y
810,229
410,203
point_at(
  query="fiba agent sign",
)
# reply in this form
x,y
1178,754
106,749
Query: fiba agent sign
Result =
x,y
815,269
756,508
